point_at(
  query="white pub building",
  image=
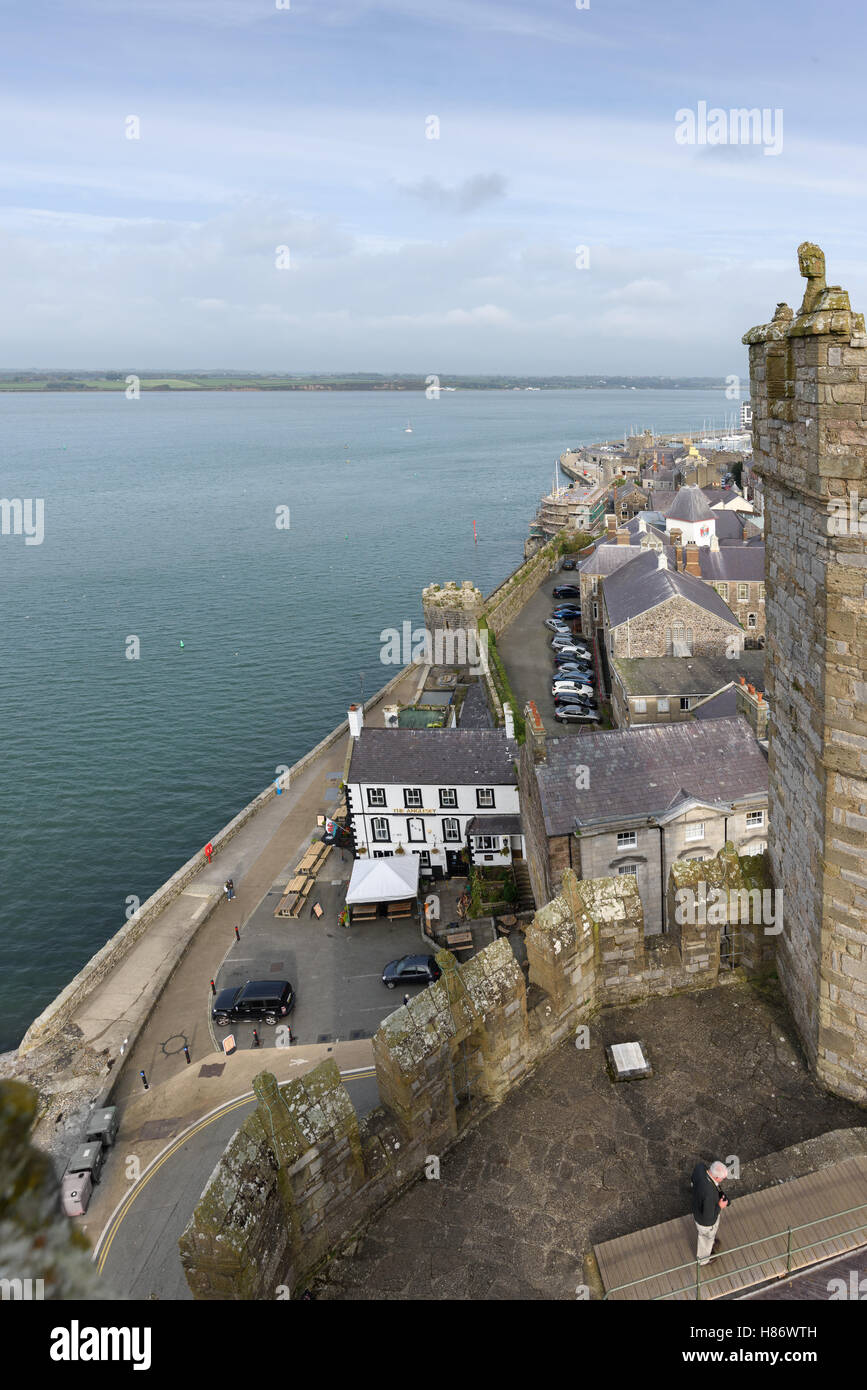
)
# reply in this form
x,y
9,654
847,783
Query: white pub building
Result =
x,y
434,793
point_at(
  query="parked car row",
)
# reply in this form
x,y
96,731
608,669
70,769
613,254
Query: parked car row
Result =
x,y
574,680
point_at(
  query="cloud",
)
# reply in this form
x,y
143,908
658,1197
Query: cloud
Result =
x,y
467,196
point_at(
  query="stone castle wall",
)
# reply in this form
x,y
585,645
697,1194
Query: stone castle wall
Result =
x,y
303,1174
808,379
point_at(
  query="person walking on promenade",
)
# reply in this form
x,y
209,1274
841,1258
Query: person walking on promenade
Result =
x,y
708,1204
230,889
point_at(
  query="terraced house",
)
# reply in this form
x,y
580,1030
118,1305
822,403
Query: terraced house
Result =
x,y
444,794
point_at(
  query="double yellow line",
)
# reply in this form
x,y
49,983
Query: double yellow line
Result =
x,y
110,1230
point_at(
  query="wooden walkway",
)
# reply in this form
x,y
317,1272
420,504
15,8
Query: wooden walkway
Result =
x,y
815,1198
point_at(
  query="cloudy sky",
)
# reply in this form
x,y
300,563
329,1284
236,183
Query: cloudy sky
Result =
x,y
308,128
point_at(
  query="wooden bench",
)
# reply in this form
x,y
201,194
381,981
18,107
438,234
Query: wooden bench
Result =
x,y
401,909
294,896
364,912
459,940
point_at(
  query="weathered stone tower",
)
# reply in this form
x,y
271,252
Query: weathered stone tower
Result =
x,y
451,617
808,382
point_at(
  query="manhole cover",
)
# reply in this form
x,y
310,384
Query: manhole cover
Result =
x,y
212,1068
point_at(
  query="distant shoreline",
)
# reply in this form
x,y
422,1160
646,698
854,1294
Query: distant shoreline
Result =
x,y
11,383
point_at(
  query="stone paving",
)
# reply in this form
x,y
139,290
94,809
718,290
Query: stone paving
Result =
x,y
570,1158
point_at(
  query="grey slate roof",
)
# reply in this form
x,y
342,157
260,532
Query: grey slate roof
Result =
x,y
737,562
718,706
497,824
450,757
474,713
608,558
690,504
688,675
729,525
637,773
642,585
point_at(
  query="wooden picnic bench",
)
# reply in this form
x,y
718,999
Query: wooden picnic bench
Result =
x,y
364,912
459,940
294,896
401,909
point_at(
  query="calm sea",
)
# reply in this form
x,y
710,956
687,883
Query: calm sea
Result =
x,y
160,525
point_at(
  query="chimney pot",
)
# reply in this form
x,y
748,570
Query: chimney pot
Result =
x,y
751,689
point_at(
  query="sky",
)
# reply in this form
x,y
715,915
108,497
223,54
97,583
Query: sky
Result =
x,y
426,186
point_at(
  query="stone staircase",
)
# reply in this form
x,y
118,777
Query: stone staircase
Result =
x,y
525,902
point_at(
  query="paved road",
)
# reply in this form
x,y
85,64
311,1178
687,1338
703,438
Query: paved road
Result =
x,y
139,1257
525,647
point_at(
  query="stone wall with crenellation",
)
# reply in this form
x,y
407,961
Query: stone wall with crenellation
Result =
x,y
808,385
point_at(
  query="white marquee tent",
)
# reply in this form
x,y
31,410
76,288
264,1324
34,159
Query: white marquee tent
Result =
x,y
384,880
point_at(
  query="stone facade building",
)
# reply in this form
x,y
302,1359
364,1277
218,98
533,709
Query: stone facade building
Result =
x,y
808,386
635,802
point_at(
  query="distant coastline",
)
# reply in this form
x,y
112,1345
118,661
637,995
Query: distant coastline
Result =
x,y
62,380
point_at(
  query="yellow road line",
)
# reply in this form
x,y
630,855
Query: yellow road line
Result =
x,y
103,1245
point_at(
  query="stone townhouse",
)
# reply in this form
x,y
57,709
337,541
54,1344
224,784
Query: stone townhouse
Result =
x,y
637,801
669,639
435,793
737,572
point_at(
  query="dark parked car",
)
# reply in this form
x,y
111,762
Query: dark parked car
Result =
x,y
565,659
563,697
411,970
258,1001
568,565
576,714
568,611
566,591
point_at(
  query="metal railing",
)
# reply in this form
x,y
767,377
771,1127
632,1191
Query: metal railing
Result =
x,y
791,1250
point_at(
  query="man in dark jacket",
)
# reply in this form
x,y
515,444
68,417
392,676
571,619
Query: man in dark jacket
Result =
x,y
708,1205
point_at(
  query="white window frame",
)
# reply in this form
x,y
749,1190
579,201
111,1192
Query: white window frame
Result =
x,y
662,704
451,839
752,620
376,796
694,830
481,793
752,819
627,839
743,593
448,792
685,702
376,824
630,869
639,704
486,843
723,591
408,794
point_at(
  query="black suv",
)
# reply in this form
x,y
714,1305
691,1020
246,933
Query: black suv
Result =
x,y
258,1001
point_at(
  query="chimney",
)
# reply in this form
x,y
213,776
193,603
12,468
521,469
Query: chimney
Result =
x,y
623,538
676,535
661,564
714,542
692,565
610,524
678,557
753,706
356,719
536,732
510,720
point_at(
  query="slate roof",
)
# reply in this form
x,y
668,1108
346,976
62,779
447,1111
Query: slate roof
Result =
x,y
719,706
607,558
730,525
737,562
715,495
474,713
452,757
688,675
690,504
497,824
642,585
638,773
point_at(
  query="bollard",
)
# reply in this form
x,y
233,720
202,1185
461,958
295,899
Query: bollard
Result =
x,y
213,988
237,933
187,1054
256,1042
144,1081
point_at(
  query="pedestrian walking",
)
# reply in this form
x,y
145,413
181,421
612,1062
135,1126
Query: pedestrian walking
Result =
x,y
708,1204
229,888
